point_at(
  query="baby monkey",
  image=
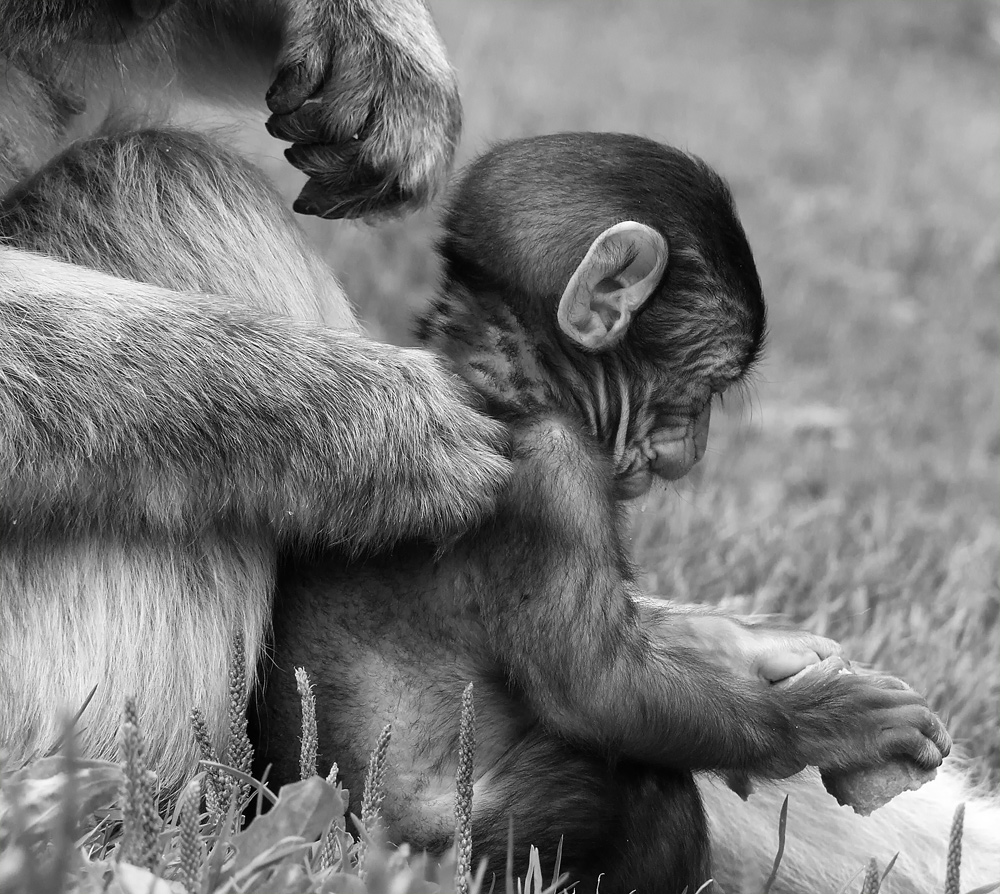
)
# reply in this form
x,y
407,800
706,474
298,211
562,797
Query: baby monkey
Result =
x,y
599,293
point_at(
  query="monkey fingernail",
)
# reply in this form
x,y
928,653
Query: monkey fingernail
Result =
x,y
784,666
304,207
832,665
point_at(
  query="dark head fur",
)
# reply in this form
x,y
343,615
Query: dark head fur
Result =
x,y
521,219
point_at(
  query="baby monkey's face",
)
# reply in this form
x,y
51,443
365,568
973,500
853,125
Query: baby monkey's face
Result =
x,y
666,431
669,452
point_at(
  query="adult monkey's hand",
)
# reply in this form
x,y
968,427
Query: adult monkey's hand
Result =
x,y
362,88
367,96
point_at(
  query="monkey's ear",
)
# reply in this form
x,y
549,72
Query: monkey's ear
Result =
x,y
620,271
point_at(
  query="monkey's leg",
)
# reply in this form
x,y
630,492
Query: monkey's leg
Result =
x,y
394,639
175,209
104,614
619,828
622,828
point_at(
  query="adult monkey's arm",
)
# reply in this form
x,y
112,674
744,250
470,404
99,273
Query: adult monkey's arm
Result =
x,y
426,439
129,406
362,88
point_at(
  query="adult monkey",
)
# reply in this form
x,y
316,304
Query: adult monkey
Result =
x,y
161,444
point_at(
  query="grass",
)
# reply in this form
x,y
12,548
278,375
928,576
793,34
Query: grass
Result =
x,y
858,490
95,825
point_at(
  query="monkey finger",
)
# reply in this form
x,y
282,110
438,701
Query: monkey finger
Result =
x,y
911,744
292,128
349,192
783,665
339,102
740,783
332,159
888,684
934,730
295,82
826,648
320,120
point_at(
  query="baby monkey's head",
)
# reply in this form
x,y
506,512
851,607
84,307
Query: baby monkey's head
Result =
x,y
605,276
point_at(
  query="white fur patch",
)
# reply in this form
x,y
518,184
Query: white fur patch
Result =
x,y
827,845
143,619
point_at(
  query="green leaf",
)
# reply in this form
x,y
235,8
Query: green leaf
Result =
x,y
284,851
40,789
304,810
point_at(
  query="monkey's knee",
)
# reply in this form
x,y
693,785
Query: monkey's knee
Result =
x,y
618,828
91,201
661,842
175,209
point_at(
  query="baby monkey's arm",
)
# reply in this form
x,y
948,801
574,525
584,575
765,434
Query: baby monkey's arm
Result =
x,y
664,685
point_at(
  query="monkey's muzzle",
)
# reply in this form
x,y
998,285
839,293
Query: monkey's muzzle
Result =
x,y
670,453
675,450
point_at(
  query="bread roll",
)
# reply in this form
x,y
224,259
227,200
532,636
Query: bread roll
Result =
x,y
868,788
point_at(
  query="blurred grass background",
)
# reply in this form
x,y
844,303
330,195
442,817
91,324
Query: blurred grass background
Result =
x,y
858,490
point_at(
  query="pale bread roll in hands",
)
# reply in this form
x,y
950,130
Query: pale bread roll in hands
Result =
x,y
869,788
